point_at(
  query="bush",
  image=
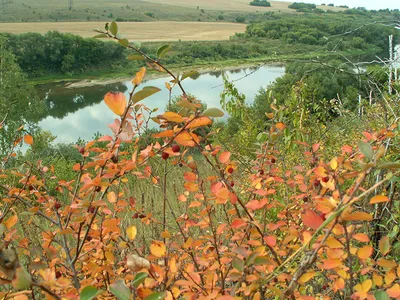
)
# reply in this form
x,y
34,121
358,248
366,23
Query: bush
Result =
x,y
263,3
240,19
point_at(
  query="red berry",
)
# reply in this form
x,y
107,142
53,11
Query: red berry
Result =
x,y
316,183
58,274
81,150
273,160
306,199
142,216
323,216
114,159
31,188
98,189
89,238
230,170
325,179
135,215
91,209
261,172
232,184
324,287
164,155
176,148
57,205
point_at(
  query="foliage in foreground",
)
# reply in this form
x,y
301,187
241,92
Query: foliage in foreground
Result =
x,y
259,230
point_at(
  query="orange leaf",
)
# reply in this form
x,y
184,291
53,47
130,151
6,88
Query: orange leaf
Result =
x,y
158,249
199,122
28,139
116,101
237,223
139,76
358,216
224,157
320,172
365,252
11,221
394,291
379,199
187,139
361,237
388,264
312,219
332,263
280,126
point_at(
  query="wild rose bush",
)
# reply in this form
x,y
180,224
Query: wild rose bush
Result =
x,y
258,231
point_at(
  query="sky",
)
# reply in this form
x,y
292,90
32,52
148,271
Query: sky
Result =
x,y
369,4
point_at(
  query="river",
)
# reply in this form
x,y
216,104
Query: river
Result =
x,y
75,113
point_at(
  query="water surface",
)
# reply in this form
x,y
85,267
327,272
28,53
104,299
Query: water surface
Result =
x,y
81,113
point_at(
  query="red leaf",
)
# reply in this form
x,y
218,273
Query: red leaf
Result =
x,y
270,240
237,223
312,219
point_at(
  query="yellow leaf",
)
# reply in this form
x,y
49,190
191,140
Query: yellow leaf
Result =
x,y
379,199
172,117
139,76
377,279
306,277
116,101
111,197
199,122
334,164
28,139
158,249
388,264
131,232
390,277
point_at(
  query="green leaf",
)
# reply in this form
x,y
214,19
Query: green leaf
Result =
x,y
135,57
100,36
155,296
381,295
213,112
139,278
163,50
185,103
251,258
366,149
89,293
96,30
22,280
262,260
146,92
238,264
137,44
113,28
390,165
124,42
189,74
120,290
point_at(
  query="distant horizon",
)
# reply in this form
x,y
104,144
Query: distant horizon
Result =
x,y
369,4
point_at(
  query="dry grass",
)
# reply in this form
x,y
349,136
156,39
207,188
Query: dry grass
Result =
x,y
148,31
233,5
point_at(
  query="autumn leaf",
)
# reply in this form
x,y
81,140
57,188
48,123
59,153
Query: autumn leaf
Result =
x,y
394,291
379,199
358,216
199,122
158,249
116,101
28,139
131,232
224,157
312,219
238,223
384,245
139,76
332,263
11,221
171,117
306,277
365,252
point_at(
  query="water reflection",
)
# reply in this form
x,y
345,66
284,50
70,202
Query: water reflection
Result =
x,y
80,112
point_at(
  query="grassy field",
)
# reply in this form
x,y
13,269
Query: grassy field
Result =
x,y
143,31
233,5
135,10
